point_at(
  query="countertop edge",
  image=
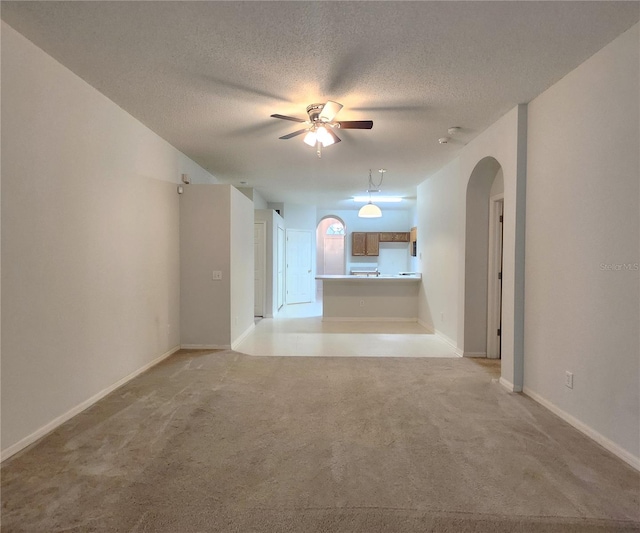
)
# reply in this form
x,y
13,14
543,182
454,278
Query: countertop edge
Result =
x,y
368,278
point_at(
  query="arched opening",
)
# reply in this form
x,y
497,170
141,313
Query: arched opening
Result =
x,y
483,260
330,247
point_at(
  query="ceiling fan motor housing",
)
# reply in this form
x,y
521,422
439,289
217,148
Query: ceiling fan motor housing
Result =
x,y
314,111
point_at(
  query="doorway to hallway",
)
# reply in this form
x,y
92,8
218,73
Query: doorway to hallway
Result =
x,y
330,249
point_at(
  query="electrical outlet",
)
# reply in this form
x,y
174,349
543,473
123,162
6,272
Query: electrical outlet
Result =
x,y
568,379
217,274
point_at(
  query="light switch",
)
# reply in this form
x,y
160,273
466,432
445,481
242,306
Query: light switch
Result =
x,y
217,274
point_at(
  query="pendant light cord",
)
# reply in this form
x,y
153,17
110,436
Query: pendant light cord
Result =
x,y
376,185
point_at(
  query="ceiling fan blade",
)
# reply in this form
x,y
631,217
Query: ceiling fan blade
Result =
x,y
285,117
356,124
330,110
290,135
336,139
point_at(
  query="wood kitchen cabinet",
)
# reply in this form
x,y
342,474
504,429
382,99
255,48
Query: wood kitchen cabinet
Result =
x,y
364,243
413,238
358,243
373,246
394,236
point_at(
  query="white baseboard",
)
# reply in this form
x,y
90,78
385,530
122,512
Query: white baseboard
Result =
x,y
205,346
428,327
507,384
475,354
48,428
366,319
623,454
450,342
243,336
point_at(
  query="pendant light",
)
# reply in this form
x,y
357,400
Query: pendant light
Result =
x,y
370,210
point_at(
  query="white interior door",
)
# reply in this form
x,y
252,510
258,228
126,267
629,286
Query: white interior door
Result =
x,y
298,266
260,264
280,267
494,283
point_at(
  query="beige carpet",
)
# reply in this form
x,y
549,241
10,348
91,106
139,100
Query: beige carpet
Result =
x,y
233,443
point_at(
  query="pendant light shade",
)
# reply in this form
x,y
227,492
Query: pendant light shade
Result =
x,y
370,211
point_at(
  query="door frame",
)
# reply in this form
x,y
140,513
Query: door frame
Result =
x,y
494,284
263,236
281,268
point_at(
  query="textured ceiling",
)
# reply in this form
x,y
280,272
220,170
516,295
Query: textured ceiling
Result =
x,y
206,76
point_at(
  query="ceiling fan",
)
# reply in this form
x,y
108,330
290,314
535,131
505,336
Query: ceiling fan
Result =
x,y
320,125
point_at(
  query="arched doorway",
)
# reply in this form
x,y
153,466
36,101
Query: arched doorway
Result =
x,y
483,260
330,248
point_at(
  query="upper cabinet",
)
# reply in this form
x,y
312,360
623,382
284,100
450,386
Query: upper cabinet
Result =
x,y
368,243
373,246
394,236
358,243
363,243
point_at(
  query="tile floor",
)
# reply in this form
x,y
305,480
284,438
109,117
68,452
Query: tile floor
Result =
x,y
298,330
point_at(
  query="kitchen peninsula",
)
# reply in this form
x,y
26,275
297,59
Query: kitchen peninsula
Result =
x,y
373,297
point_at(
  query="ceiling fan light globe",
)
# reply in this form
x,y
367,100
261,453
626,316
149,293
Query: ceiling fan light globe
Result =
x,y
323,136
370,211
310,138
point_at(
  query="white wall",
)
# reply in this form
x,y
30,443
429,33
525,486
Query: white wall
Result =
x,y
90,243
276,206
497,187
216,234
441,208
583,215
438,235
258,200
298,216
205,242
241,264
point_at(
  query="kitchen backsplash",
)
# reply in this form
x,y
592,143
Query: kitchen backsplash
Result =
x,y
394,257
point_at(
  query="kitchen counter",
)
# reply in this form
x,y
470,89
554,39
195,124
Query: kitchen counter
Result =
x,y
373,298
372,277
